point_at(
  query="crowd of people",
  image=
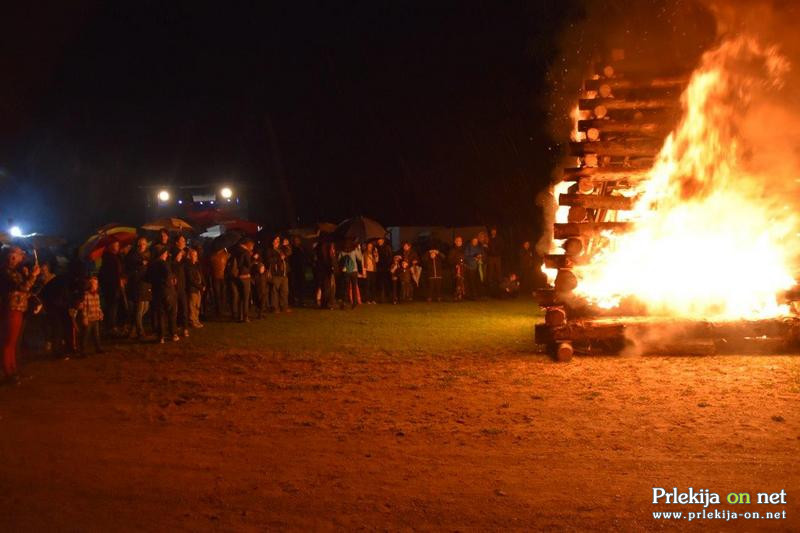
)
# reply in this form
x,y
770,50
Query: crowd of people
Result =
x,y
160,291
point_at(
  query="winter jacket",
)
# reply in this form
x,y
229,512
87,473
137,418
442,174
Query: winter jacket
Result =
x,y
136,271
385,257
455,255
471,254
496,246
111,272
277,261
194,277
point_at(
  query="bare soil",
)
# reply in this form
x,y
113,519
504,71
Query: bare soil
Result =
x,y
194,436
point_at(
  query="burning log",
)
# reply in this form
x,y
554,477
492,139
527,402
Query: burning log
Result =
x,y
594,201
646,127
566,281
601,106
573,246
555,317
564,352
619,148
604,174
633,93
579,331
559,261
577,214
587,229
677,81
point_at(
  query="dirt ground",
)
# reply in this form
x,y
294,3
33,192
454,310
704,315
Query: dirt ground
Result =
x,y
198,436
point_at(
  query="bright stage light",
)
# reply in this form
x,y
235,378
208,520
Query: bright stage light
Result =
x,y
15,231
226,192
163,196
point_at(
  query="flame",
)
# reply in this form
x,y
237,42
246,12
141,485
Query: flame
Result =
x,y
712,237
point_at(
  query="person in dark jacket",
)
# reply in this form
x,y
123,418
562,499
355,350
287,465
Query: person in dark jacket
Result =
x,y
140,292
527,266
325,262
244,265
111,278
434,270
494,260
218,265
384,276
55,296
260,285
164,297
455,259
195,286
277,261
473,258
298,261
179,260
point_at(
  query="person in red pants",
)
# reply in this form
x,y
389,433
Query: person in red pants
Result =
x,y
15,289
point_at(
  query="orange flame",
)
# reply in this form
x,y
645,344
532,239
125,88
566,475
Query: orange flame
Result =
x,y
711,237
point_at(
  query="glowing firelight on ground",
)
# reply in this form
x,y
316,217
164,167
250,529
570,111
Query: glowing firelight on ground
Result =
x,y
713,236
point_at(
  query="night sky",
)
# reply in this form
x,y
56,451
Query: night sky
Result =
x,y
413,113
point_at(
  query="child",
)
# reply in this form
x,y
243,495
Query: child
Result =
x,y
395,271
91,315
195,285
406,281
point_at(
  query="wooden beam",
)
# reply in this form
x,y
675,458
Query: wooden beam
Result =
x,y
679,81
638,148
587,229
595,201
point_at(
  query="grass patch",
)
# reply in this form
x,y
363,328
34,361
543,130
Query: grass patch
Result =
x,y
392,330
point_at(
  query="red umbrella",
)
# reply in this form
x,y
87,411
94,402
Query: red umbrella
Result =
x,y
95,245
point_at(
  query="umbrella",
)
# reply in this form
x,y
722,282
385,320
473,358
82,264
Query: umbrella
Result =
x,y
95,245
326,227
360,229
226,240
170,224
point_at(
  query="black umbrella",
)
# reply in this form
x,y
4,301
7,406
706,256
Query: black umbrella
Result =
x,y
360,229
226,240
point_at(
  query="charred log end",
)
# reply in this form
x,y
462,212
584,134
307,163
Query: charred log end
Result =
x,y
566,281
555,317
577,214
564,352
573,246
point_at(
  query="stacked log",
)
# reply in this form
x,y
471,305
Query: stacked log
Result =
x,y
626,116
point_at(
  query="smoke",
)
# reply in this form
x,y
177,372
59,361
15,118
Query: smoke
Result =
x,y
669,35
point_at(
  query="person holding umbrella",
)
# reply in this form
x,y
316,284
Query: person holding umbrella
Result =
x,y
16,282
241,271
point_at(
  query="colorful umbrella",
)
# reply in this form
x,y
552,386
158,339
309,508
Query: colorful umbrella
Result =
x,y
170,224
95,245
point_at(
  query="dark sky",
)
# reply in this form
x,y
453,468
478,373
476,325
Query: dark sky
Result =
x,y
410,112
